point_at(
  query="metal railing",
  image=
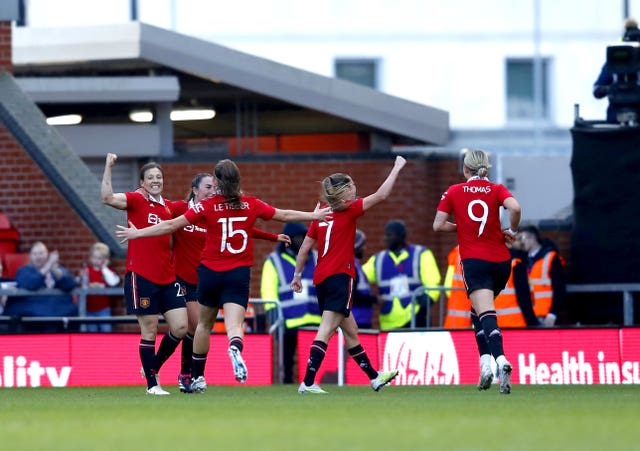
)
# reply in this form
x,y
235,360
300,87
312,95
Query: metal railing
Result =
x,y
625,288
81,296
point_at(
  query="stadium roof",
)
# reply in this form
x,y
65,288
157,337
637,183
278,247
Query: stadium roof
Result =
x,y
102,72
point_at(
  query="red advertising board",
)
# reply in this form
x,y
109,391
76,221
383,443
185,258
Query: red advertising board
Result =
x,y
548,356
113,359
329,370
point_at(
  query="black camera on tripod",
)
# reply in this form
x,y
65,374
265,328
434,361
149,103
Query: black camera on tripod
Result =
x,y
623,62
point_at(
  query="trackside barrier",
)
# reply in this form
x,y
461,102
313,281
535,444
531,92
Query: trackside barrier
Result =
x,y
540,356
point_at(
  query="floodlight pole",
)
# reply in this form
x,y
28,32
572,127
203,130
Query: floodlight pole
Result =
x,y
134,10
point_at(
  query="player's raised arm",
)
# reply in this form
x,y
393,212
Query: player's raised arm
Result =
x,y
385,188
115,200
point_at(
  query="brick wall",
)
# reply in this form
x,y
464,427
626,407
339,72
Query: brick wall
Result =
x,y
295,185
5,46
40,213
35,208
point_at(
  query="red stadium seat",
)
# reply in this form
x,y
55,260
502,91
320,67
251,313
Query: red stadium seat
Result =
x,y
9,236
4,221
13,261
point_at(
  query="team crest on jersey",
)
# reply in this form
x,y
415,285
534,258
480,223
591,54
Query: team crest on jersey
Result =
x,y
145,302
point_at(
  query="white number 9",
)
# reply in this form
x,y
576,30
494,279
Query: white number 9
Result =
x,y
481,219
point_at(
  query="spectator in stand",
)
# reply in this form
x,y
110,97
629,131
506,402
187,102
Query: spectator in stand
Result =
x,y
335,272
485,259
225,270
150,282
188,244
98,274
299,309
546,275
43,271
363,297
399,271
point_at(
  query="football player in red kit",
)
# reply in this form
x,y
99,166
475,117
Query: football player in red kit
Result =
x,y
486,261
189,242
150,282
335,273
227,257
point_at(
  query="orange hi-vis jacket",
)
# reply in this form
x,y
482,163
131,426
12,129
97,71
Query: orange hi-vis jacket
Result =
x,y
540,282
506,303
458,304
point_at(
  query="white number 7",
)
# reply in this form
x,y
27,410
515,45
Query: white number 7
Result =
x,y
329,225
481,219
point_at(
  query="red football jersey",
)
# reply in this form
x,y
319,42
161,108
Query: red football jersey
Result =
x,y
149,257
335,242
229,243
188,245
475,206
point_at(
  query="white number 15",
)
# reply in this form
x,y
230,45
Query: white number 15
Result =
x,y
228,232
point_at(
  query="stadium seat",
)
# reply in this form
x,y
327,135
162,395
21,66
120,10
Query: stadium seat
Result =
x,y
13,261
4,221
9,236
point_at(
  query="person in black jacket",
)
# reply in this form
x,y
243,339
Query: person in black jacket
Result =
x,y
602,85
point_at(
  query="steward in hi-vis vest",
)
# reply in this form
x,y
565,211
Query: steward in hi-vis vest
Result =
x,y
399,271
458,314
546,275
298,309
513,304
363,298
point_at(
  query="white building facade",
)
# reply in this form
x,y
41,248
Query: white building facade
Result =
x,y
468,57
509,72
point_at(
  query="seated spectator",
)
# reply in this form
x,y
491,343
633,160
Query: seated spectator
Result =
x,y
43,271
98,274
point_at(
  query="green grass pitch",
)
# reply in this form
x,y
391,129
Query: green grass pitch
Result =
x,y
275,417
